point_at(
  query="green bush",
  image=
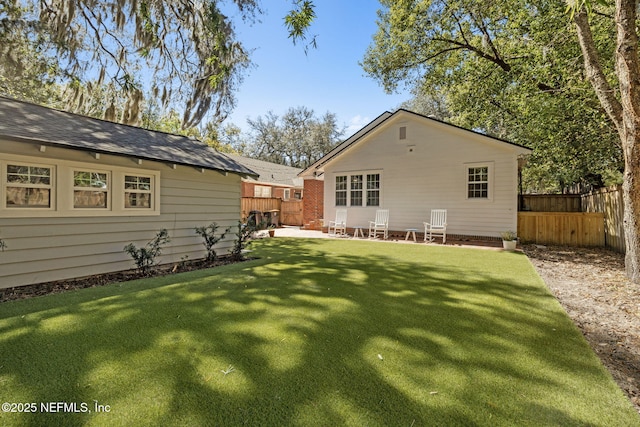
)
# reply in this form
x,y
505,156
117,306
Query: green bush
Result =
x,y
145,258
243,239
208,234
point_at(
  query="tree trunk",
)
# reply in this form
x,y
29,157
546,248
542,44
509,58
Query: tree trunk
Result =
x,y
631,192
628,71
624,113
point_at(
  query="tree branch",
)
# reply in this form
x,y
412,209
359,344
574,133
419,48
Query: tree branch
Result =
x,y
498,61
593,67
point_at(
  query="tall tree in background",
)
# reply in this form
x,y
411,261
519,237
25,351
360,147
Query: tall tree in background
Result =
x,y
438,39
186,51
297,139
26,71
512,69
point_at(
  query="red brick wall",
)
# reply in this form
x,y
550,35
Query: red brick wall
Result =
x,y
313,203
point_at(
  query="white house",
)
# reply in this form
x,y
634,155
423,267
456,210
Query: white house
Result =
x,y
75,190
409,163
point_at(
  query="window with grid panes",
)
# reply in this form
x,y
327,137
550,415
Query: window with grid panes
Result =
x,y
478,182
373,189
28,186
341,190
90,189
137,192
356,190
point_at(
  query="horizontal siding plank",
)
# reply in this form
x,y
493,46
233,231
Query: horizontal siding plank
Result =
x,y
430,176
55,247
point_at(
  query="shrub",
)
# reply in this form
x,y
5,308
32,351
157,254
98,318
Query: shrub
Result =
x,y
243,239
509,235
208,234
145,258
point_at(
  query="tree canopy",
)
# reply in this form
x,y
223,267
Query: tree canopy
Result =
x,y
510,69
185,52
297,139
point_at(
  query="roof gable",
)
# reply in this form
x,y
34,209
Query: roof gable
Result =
x,y
386,119
272,173
26,122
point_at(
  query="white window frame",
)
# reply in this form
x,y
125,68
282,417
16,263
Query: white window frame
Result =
x,y
106,190
62,189
127,192
369,189
363,190
262,191
489,182
286,194
30,164
341,187
356,189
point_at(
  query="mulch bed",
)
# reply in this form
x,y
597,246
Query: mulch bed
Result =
x,y
58,286
592,287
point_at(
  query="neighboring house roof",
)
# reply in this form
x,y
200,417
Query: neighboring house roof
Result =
x,y
23,121
385,118
271,173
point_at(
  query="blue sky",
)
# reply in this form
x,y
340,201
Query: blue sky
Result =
x,y
328,78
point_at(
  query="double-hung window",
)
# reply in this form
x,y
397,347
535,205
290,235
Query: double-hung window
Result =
x,y
138,192
361,189
373,189
478,182
90,189
341,190
74,189
261,191
356,190
28,186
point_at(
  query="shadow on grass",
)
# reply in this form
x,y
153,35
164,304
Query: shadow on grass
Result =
x,y
315,332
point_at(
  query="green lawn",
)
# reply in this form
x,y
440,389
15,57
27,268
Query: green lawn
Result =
x,y
315,332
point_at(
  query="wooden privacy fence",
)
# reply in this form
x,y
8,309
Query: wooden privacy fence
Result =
x,y
262,204
551,203
609,202
606,201
562,228
290,211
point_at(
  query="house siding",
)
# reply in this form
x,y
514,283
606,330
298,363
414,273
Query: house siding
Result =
x,y
54,247
428,170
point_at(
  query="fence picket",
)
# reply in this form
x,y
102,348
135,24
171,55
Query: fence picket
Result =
x,y
546,228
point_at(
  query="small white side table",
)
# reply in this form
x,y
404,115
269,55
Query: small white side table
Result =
x,y
358,231
411,232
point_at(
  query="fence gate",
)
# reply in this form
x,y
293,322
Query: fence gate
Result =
x,y
291,213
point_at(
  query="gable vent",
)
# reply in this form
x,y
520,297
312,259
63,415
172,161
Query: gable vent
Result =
x,y
403,132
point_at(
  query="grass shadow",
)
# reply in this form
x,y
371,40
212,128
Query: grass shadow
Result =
x,y
314,332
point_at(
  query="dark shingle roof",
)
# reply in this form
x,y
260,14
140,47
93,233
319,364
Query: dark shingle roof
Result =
x,y
271,172
23,121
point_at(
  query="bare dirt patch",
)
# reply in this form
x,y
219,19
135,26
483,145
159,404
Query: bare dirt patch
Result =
x,y
592,287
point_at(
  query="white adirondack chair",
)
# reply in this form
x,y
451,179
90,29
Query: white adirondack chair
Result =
x,y
380,225
437,226
340,224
